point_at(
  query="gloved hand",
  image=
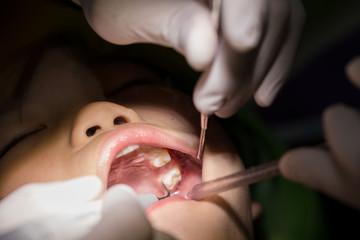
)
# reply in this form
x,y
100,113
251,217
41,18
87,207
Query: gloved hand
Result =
x,y
253,54
123,217
334,169
69,210
32,211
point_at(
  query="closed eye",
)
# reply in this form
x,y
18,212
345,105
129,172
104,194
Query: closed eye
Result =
x,y
20,138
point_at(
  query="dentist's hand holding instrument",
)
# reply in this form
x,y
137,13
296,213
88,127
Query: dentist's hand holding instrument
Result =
x,y
252,55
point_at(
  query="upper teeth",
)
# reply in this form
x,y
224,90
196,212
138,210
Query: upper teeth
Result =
x,y
161,157
127,150
158,157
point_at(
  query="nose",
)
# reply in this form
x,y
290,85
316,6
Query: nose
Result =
x,y
98,117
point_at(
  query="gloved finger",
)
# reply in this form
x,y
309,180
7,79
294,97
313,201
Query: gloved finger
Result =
x,y
37,200
342,131
234,76
353,71
310,166
65,192
274,36
278,72
217,90
243,22
145,200
183,25
316,168
256,210
122,217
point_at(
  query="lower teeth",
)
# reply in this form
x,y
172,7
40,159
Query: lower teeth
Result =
x,y
172,178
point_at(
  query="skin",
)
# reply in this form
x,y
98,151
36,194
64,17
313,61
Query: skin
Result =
x,y
68,97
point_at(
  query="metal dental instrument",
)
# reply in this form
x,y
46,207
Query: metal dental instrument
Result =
x,y
204,120
167,192
215,6
242,178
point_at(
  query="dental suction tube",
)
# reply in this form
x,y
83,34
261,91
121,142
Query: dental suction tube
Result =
x,y
242,178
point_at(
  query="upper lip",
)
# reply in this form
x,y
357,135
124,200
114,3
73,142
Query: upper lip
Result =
x,y
141,134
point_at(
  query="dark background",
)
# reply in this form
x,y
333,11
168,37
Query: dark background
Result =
x,y
331,38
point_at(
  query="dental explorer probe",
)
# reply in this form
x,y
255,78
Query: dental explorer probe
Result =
x,y
238,179
167,192
215,6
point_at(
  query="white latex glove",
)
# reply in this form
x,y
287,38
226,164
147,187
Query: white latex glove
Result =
x,y
259,43
68,210
257,46
123,217
334,170
34,210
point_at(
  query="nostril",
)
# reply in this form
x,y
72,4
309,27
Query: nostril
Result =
x,y
119,121
91,131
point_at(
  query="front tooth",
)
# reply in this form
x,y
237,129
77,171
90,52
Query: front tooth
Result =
x,y
172,178
160,158
127,150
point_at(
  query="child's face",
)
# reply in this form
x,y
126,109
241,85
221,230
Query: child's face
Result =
x,y
73,128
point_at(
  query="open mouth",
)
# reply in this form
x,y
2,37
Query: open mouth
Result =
x,y
147,169
148,158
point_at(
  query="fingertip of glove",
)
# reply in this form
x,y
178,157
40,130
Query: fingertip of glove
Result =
x,y
267,92
146,200
293,163
264,99
200,46
208,104
244,38
243,23
353,71
197,36
334,115
311,166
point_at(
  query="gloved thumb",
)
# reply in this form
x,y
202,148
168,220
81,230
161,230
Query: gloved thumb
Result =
x,y
311,166
314,167
145,200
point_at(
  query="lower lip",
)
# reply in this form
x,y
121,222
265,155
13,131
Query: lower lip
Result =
x,y
164,202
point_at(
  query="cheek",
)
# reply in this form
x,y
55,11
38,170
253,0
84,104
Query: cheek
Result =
x,y
41,160
29,166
